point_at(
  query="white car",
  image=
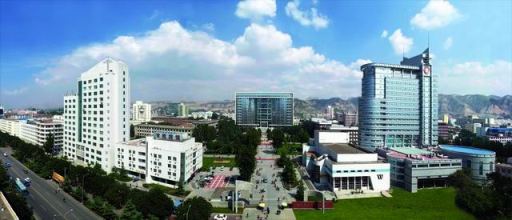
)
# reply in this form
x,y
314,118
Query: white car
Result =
x,y
220,217
5,154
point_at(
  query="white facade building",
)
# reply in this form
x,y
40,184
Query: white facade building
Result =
x,y
98,116
11,126
141,112
343,168
37,131
164,158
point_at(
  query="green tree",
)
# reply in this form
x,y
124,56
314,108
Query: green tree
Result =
x,y
215,116
277,137
180,190
194,208
154,202
204,133
300,192
246,162
130,212
49,144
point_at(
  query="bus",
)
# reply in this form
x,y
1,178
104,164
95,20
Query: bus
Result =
x,y
20,186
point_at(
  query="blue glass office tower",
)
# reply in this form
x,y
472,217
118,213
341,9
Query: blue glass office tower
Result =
x,y
398,104
264,109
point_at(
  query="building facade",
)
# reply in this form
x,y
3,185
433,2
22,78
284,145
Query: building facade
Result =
x,y
11,126
36,132
264,109
414,168
182,110
141,112
98,116
163,158
398,106
479,161
148,129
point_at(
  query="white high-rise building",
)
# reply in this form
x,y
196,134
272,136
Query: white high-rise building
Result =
x,y
98,115
141,112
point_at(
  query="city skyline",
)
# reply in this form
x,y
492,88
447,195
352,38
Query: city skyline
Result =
x,y
205,51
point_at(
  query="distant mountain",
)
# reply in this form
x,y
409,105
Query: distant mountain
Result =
x,y
463,105
455,105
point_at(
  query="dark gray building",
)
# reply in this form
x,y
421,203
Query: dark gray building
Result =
x,y
264,109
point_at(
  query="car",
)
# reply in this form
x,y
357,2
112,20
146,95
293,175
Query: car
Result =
x,y
220,217
7,165
5,154
27,181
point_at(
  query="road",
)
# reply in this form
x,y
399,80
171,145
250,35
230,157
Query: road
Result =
x,y
46,203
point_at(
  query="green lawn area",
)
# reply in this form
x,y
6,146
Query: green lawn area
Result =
x,y
425,204
216,162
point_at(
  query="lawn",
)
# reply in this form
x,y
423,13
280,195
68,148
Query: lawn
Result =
x,y
425,204
217,162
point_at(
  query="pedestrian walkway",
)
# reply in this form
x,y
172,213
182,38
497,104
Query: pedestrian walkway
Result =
x,y
253,214
217,182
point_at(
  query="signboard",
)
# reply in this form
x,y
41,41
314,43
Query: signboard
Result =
x,y
58,178
427,70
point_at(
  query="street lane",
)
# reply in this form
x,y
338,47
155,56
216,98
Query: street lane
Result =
x,y
46,203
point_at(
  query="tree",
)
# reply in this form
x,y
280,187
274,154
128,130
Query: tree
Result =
x,y
303,136
154,202
215,116
180,190
277,137
49,144
204,133
246,162
194,208
300,192
130,212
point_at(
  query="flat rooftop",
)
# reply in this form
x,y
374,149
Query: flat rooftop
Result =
x,y
141,142
413,153
344,148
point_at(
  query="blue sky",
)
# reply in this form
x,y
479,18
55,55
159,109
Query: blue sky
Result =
x,y
207,50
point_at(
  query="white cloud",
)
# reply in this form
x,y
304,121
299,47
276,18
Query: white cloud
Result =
x,y
306,18
436,14
401,43
256,9
448,43
14,92
384,34
195,65
477,78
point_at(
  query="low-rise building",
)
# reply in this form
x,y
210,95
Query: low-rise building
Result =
x,y
353,132
502,135
505,169
11,126
446,131
163,158
36,131
342,167
479,161
414,168
150,128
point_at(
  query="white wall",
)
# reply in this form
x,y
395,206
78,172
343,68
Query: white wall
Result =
x,y
331,137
